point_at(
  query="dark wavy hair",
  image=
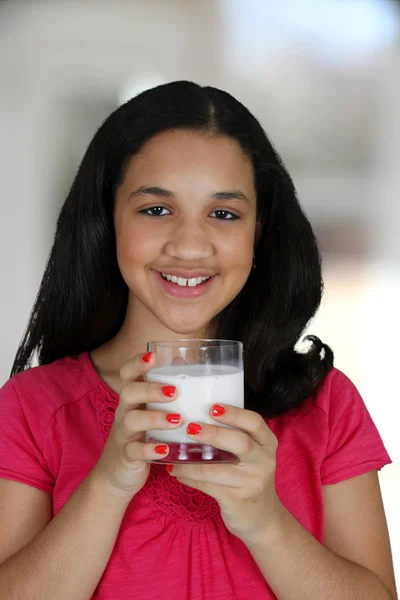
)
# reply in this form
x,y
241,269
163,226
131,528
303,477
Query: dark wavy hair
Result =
x,y
82,298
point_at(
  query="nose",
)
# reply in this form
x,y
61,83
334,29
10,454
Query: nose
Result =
x,y
189,241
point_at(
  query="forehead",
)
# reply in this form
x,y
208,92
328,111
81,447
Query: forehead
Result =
x,y
187,154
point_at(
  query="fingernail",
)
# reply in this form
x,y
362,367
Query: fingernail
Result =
x,y
147,357
169,468
173,418
161,449
217,410
193,428
168,390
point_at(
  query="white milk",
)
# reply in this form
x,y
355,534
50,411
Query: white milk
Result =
x,y
198,388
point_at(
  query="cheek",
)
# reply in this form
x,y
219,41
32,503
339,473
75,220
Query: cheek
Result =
x,y
238,254
134,249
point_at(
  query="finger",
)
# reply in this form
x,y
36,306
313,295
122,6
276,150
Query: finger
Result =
x,y
247,420
226,474
142,392
137,421
138,451
136,367
237,442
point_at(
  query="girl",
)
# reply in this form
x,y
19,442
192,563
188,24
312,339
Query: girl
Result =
x,y
183,181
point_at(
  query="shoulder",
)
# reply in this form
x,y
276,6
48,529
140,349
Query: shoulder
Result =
x,y
336,428
335,406
334,394
44,389
337,394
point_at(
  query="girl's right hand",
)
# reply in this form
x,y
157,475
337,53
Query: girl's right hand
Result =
x,y
123,462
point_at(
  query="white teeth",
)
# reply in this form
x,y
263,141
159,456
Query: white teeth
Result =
x,y
185,282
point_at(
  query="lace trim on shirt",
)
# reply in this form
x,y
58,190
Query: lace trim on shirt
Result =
x,y
169,495
106,410
178,500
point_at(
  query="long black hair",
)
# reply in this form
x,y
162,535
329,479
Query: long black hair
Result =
x,y
82,298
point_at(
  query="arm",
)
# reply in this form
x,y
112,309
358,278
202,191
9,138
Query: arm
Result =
x,y
355,562
64,558
67,558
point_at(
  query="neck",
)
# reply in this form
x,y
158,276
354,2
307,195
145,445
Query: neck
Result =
x,y
139,327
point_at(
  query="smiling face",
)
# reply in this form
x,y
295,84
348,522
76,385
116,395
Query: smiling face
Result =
x,y
185,211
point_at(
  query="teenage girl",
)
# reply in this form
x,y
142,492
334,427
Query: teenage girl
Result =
x,y
183,181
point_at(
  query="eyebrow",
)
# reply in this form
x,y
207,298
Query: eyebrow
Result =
x,y
164,193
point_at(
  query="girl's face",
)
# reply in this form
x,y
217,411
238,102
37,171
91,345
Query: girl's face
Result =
x,y
186,210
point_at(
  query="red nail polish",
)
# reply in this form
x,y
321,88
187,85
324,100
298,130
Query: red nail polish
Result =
x,y
217,410
147,357
193,428
169,468
168,390
173,418
161,449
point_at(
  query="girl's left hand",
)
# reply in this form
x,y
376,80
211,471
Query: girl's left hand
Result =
x,y
244,491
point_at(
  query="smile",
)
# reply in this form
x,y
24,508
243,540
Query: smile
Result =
x,y
193,282
184,288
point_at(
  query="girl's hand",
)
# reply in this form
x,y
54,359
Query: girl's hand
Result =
x,y
245,491
123,462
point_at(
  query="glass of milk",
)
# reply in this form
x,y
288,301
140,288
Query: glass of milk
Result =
x,y
205,372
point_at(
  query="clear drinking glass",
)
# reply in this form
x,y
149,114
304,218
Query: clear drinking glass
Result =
x,y
205,372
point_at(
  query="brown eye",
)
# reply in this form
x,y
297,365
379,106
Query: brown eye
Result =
x,y
155,211
224,215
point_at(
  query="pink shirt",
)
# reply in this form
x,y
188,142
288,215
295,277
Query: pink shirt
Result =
x,y
172,544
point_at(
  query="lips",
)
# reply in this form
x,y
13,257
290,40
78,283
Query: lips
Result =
x,y
186,274
180,288
183,282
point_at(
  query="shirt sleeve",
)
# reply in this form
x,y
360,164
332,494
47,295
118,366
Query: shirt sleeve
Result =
x,y
354,444
21,442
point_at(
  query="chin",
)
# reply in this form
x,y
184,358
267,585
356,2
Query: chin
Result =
x,y
185,327
186,331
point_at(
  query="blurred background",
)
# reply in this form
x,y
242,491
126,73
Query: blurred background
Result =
x,y
323,78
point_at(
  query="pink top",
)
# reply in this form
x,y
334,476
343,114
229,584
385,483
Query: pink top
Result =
x,y
55,419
